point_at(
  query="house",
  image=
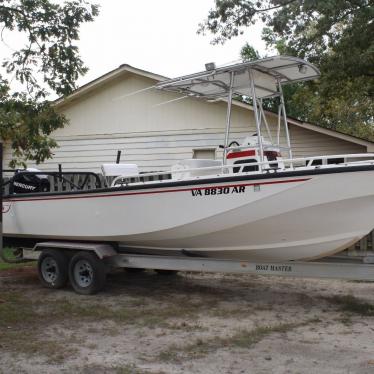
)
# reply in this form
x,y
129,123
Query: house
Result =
x,y
122,110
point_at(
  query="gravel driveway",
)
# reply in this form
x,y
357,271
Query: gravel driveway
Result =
x,y
188,323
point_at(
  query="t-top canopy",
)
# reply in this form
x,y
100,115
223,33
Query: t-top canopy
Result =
x,y
266,73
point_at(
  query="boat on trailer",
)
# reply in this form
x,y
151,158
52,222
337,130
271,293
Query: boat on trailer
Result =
x,y
257,203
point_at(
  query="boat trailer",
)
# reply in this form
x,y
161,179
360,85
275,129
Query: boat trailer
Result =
x,y
85,265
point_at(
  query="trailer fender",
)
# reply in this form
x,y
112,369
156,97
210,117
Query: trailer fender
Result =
x,y
101,250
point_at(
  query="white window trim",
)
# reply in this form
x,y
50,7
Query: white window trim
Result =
x,y
211,149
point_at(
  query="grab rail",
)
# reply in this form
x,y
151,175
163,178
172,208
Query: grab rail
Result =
x,y
290,162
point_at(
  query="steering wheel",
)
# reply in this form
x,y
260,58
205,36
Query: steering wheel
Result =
x,y
234,143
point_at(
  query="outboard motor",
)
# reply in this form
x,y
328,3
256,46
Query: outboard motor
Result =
x,y
26,182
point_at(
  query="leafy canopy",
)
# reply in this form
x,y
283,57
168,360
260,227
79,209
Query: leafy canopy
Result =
x,y
336,35
49,61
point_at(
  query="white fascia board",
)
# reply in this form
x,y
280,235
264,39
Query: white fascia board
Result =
x,y
103,80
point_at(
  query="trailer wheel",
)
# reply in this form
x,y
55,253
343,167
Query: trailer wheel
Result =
x,y
87,273
53,268
166,272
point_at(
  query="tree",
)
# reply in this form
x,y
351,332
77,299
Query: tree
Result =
x,y
248,53
335,35
49,62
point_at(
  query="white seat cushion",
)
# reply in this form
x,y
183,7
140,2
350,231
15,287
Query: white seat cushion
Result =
x,y
115,170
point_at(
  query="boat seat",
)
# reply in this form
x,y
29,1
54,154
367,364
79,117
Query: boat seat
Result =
x,y
114,170
111,171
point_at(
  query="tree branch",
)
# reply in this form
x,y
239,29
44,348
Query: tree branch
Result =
x,y
275,6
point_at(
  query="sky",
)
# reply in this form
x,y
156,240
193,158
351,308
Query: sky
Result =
x,y
155,35
158,36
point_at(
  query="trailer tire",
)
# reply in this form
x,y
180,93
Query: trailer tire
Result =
x,y
53,268
87,273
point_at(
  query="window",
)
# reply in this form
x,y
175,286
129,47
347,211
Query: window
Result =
x,y
204,153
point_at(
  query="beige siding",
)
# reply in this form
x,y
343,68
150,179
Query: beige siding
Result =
x,y
151,152
311,143
155,136
122,108
160,150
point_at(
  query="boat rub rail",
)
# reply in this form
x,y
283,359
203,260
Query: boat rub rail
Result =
x,y
201,181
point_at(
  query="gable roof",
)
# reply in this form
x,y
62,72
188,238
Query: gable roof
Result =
x,y
105,79
125,68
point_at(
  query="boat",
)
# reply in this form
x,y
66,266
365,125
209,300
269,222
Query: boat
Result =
x,y
256,203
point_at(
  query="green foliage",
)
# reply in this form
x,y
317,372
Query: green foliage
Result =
x,y
248,53
335,35
8,253
49,62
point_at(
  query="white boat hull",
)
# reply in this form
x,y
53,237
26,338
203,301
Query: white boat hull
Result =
x,y
277,218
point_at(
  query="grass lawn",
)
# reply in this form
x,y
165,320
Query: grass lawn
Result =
x,y
7,266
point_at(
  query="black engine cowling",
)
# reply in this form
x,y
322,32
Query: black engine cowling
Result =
x,y
24,182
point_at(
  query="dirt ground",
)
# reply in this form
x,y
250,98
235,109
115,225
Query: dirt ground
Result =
x,y
188,323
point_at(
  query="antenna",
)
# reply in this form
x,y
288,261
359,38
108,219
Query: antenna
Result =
x,y
118,156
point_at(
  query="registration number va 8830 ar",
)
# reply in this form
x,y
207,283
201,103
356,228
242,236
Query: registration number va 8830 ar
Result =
x,y
212,191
